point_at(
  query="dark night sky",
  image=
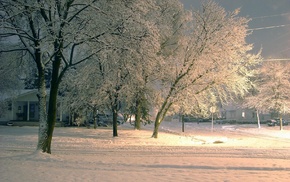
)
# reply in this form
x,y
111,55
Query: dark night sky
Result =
x,y
275,41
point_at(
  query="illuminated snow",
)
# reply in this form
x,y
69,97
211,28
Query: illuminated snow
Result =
x,y
229,153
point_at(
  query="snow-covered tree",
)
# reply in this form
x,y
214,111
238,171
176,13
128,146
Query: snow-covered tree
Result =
x,y
127,72
119,73
211,62
163,17
58,35
271,93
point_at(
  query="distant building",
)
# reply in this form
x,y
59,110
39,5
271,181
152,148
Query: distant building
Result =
x,y
232,112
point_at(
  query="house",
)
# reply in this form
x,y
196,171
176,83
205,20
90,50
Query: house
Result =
x,y
233,112
23,106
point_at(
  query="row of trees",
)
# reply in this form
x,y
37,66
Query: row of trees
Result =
x,y
130,55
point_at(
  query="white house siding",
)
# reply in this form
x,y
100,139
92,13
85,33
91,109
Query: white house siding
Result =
x,y
23,107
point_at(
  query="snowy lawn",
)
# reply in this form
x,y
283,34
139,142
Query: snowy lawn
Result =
x,y
229,153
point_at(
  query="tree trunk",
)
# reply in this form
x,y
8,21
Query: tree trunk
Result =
x,y
159,118
115,106
182,119
281,122
42,131
115,124
42,136
138,115
51,118
52,104
165,106
156,127
94,117
258,118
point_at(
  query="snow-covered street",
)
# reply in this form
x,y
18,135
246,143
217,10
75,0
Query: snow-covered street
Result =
x,y
229,153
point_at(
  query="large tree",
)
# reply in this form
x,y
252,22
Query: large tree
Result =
x,y
58,35
211,62
167,18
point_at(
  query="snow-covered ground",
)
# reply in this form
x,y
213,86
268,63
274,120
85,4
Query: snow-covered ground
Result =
x,y
228,153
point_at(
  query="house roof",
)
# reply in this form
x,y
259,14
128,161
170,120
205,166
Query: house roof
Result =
x,y
27,92
18,93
